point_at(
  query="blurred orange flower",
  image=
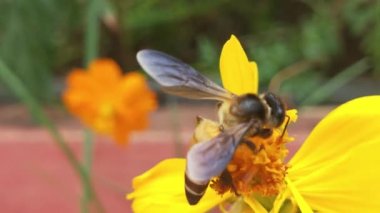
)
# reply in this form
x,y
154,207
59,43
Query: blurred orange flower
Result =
x,y
107,101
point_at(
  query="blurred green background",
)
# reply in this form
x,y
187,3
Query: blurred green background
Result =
x,y
310,52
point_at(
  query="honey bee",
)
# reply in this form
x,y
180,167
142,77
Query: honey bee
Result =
x,y
240,116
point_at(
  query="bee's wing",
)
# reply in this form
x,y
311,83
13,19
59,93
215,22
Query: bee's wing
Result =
x,y
178,78
208,159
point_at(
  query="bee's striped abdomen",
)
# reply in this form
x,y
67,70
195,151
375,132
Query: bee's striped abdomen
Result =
x,y
194,191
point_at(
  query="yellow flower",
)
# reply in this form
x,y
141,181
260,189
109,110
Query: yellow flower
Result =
x,y
332,172
107,101
335,169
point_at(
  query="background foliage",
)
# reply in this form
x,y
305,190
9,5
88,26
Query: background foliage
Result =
x,y
300,45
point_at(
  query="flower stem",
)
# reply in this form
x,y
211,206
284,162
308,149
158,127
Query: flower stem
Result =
x,y
94,9
19,89
87,196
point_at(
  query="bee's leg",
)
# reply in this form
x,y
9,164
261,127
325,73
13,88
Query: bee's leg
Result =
x,y
265,132
249,144
219,104
199,119
221,128
286,125
255,128
226,179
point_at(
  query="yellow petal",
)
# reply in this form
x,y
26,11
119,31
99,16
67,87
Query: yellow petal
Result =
x,y
162,189
239,76
349,125
336,168
350,184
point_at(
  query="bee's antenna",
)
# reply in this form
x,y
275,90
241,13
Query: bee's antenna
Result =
x,y
286,126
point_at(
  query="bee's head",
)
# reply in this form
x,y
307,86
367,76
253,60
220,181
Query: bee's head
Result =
x,y
277,111
247,107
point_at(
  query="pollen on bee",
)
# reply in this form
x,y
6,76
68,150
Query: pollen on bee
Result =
x,y
205,129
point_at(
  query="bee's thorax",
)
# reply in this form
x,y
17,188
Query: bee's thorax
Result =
x,y
247,107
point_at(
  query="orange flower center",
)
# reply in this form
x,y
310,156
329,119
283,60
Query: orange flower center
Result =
x,y
256,167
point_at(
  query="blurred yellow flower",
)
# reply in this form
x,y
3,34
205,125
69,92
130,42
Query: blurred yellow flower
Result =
x,y
107,101
334,170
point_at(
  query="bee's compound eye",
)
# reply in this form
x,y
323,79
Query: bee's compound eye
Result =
x,y
278,111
